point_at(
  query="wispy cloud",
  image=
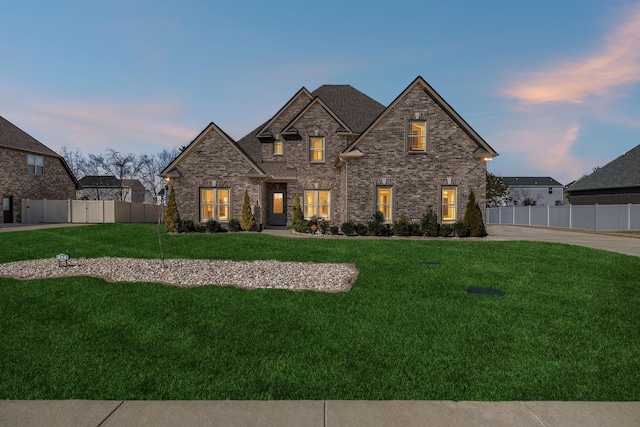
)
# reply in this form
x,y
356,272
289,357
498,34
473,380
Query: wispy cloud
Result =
x,y
93,127
615,64
555,105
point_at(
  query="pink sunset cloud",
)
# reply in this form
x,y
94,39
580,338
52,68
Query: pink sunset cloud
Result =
x,y
614,65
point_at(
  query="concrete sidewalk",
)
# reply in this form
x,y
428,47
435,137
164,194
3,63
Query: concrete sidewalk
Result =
x,y
316,413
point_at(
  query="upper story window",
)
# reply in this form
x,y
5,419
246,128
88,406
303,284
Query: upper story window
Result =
x,y
35,164
316,149
214,204
417,136
550,190
277,148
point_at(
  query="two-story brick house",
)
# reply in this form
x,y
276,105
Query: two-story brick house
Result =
x,y
30,170
344,154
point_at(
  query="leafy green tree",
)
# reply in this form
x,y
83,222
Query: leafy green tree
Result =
x,y
496,190
297,210
247,222
172,216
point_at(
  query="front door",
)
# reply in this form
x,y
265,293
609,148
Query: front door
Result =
x,y
278,207
7,209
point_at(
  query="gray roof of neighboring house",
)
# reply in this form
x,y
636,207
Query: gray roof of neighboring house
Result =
x,y
530,181
619,173
13,137
353,107
108,181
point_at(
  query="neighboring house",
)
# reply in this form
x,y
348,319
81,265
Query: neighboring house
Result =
x,y
533,190
30,170
108,187
345,154
617,182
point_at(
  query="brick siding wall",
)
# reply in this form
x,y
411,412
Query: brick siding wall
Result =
x,y
16,181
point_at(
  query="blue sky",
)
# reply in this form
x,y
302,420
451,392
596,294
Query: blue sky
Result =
x,y
553,86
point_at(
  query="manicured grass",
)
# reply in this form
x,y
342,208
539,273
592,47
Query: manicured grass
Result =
x,y
566,329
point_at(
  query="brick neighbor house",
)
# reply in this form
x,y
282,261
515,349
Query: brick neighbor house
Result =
x,y
30,170
344,154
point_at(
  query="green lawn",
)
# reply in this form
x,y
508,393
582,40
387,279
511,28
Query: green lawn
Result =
x,y
568,327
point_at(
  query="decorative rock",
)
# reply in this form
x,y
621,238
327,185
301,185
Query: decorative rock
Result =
x,y
295,276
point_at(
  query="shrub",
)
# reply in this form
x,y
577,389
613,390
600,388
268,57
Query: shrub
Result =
x,y
348,228
234,225
446,230
461,229
200,228
429,224
361,229
187,226
297,210
301,226
213,226
247,222
473,217
324,225
172,216
334,229
376,224
404,227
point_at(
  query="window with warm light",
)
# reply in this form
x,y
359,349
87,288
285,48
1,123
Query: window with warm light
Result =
x,y
384,203
449,197
214,204
277,148
278,203
417,136
317,203
35,164
316,149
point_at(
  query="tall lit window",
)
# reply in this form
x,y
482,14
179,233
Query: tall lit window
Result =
x,y
317,203
417,136
384,203
316,150
35,164
214,204
277,148
449,196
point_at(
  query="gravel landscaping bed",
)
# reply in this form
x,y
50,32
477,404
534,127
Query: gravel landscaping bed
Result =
x,y
296,276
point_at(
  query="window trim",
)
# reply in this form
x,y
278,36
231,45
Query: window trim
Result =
x,y
321,150
453,205
411,135
387,220
316,204
32,162
214,205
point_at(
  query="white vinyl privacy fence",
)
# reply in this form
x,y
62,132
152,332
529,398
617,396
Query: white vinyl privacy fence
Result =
x,y
582,217
87,211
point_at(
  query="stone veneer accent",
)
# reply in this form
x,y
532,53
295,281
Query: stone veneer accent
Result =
x,y
18,183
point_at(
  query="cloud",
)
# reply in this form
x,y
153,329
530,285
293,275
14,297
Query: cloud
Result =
x,y
616,64
93,127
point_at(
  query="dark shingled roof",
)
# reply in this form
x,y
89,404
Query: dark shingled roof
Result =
x,y
619,173
13,137
530,181
108,181
353,107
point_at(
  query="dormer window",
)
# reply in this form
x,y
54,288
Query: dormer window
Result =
x,y
277,148
316,149
417,138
